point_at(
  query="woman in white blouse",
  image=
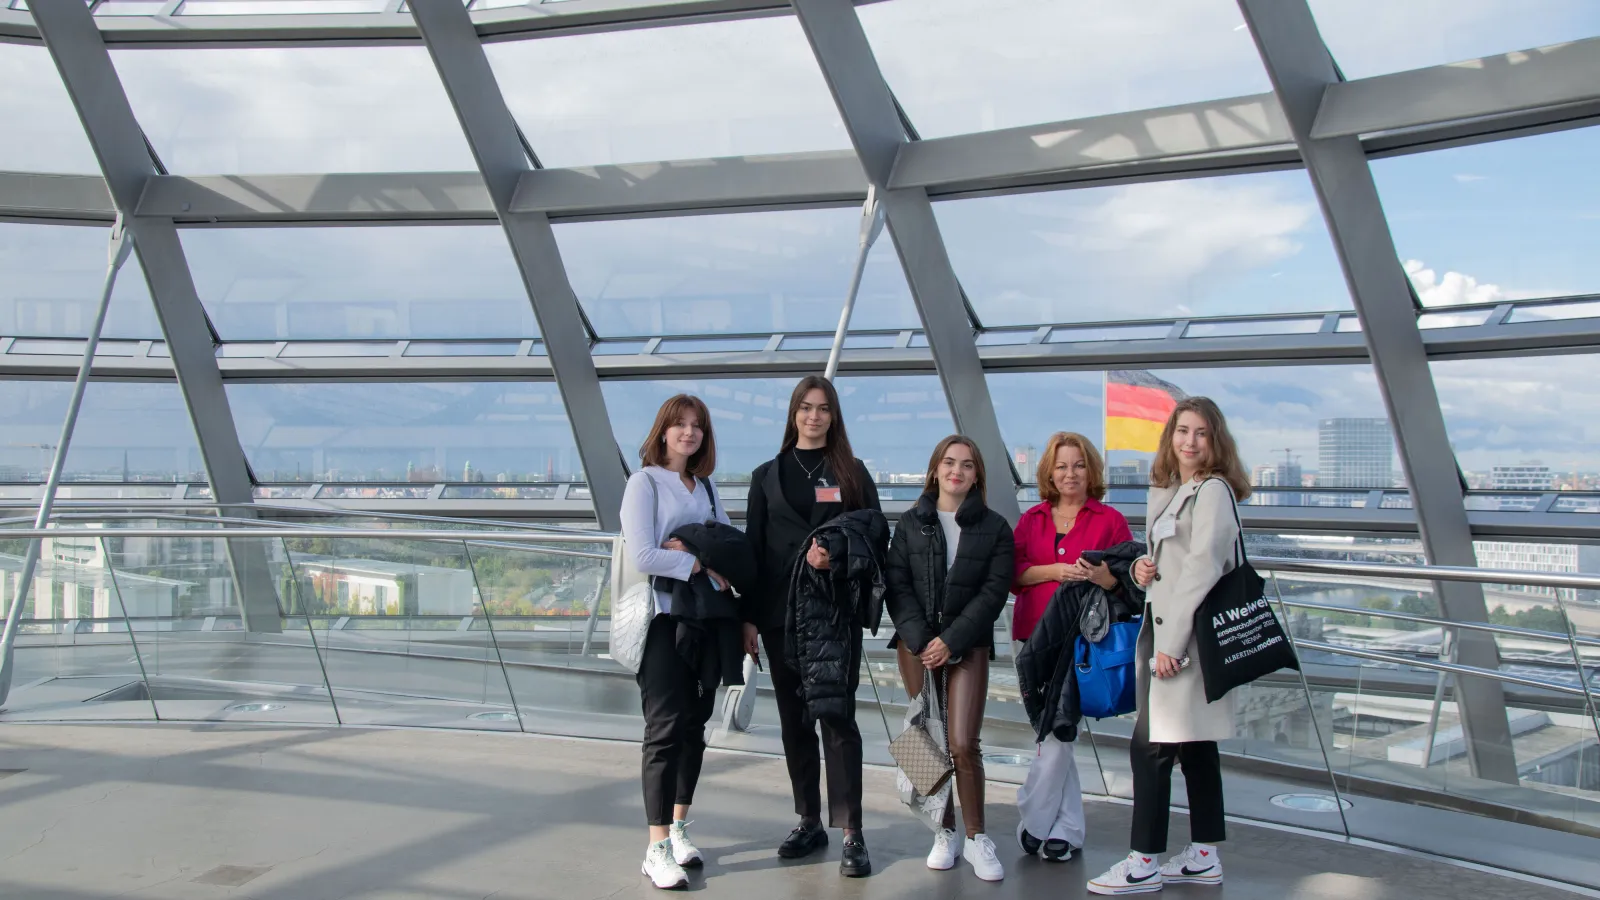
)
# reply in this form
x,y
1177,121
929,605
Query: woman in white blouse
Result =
x,y
672,490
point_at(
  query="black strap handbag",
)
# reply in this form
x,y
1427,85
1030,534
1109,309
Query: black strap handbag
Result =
x,y
1237,635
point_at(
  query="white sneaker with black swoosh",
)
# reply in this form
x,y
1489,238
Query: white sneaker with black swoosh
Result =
x,y
1137,874
1197,864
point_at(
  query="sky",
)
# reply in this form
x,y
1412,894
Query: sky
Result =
x,y
1506,220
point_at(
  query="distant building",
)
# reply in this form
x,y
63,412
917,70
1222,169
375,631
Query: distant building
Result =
x,y
1529,558
1528,477
1355,453
1136,472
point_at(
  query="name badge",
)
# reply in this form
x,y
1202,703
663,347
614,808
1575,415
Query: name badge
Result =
x,y
828,494
1165,527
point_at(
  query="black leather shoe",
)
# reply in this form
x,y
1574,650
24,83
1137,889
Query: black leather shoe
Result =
x,y
803,841
855,863
1030,844
1056,850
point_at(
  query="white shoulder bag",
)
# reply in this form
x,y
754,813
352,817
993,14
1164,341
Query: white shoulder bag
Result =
x,y
633,601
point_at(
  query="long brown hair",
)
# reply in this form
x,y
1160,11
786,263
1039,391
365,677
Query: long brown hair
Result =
x,y
1091,460
1224,456
653,452
930,485
840,458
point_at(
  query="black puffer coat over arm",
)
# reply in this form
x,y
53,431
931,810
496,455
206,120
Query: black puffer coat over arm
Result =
x,y
960,605
710,623
822,629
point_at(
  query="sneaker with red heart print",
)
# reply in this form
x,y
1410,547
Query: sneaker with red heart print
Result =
x,y
1197,864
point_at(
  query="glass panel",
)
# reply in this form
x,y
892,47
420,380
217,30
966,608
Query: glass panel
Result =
x,y
1330,419
500,492
735,88
51,277
851,342
697,345
1028,61
426,281
130,7
74,657
46,347
1523,423
127,431
618,348
282,492
326,349
407,640
217,632
1468,319
392,432
43,133
279,7
1585,504
740,273
1269,326
1506,220
1171,249
546,606
1109,333
893,421
1374,37
247,110
375,492
456,348
1583,309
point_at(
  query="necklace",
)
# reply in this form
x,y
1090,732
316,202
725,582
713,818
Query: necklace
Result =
x,y
811,474
1071,521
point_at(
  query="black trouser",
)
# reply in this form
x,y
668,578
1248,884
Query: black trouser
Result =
x,y
1152,789
675,714
841,743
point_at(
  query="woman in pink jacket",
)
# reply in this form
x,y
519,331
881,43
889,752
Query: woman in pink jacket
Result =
x,y
1050,539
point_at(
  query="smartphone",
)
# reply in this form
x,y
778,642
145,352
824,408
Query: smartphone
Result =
x,y
1092,557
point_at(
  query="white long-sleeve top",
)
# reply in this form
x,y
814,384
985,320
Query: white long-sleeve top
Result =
x,y
648,520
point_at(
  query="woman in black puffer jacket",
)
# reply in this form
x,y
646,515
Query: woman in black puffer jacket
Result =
x,y
949,571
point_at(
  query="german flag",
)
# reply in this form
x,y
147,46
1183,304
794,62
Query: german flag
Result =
x,y
1137,407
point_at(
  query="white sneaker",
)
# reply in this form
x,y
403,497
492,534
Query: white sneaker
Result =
x,y
1136,874
979,853
946,846
683,849
1195,865
664,871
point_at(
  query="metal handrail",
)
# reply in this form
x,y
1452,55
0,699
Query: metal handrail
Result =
x,y
1453,668
1468,574
1445,623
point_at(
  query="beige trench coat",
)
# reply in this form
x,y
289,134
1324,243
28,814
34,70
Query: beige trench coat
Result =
x,y
1188,564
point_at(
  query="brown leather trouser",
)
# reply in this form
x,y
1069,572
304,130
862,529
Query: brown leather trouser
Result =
x,y
969,691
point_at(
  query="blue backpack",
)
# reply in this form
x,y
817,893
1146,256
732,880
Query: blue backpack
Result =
x,y
1108,680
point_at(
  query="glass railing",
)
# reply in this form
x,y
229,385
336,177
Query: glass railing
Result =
x,y
372,620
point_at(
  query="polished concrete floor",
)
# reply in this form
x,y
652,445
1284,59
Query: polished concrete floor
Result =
x,y
216,811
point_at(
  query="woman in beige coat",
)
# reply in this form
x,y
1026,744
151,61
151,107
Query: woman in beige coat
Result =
x,y
1193,536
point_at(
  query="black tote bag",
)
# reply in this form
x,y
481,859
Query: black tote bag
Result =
x,y
1238,637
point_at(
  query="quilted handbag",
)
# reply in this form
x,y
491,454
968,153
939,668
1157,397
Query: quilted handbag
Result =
x,y
633,603
925,762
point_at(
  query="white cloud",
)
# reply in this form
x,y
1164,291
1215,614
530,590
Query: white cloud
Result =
x,y
1465,178
1451,288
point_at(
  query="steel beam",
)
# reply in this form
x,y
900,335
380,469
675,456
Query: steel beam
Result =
x,y
69,33
1302,70
91,81
71,197
870,116
486,121
1214,126
1544,78
257,361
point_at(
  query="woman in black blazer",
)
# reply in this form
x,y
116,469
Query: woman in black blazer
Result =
x,y
949,572
814,478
